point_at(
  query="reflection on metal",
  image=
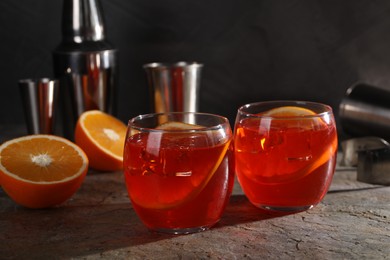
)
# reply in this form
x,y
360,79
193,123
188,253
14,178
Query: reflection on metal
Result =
x,y
351,147
374,166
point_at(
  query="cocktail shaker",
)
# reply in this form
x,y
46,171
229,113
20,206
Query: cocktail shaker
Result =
x,y
365,111
84,62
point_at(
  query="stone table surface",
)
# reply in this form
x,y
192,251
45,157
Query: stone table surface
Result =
x,y
352,222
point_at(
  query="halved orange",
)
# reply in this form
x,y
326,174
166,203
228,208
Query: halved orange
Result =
x,y
40,171
102,137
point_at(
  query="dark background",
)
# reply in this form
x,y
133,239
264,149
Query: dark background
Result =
x,y
253,50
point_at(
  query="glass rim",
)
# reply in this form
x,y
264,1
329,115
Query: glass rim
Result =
x,y
167,65
216,126
327,110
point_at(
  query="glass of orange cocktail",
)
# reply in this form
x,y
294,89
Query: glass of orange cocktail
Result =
x,y
177,170
285,153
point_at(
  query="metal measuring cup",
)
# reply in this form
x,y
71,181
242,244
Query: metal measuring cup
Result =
x,y
39,98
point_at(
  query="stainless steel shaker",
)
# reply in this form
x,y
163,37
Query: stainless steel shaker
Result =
x,y
84,62
365,111
174,87
365,114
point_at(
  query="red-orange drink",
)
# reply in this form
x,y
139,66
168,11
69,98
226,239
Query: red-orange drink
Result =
x,y
178,181
285,161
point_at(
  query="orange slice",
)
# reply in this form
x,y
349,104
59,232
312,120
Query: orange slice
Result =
x,y
298,116
320,160
102,137
173,125
40,171
289,111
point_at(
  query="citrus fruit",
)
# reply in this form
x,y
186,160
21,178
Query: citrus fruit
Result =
x,y
102,137
40,171
289,111
173,125
294,116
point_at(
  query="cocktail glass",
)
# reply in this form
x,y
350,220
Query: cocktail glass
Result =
x,y
285,153
177,170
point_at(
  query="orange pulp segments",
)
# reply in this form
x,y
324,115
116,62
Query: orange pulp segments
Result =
x,y
102,137
39,171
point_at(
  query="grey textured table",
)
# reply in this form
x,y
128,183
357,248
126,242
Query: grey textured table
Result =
x,y
352,222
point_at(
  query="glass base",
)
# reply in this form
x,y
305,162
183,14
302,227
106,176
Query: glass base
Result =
x,y
180,231
285,209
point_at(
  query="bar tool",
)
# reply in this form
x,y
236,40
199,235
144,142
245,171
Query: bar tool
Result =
x,y
374,166
85,62
371,156
174,87
365,111
353,146
365,115
39,98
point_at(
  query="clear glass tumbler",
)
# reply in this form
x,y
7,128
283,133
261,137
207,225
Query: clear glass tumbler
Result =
x,y
177,168
285,153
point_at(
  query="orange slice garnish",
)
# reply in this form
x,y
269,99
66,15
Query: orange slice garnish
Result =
x,y
295,116
326,155
289,111
40,171
174,125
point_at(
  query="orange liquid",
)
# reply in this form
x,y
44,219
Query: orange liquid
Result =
x,y
172,187
282,167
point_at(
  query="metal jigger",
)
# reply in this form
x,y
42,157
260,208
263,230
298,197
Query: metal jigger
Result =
x,y
85,63
174,87
39,98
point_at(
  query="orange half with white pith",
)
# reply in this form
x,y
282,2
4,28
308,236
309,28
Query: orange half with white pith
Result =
x,y
40,171
102,137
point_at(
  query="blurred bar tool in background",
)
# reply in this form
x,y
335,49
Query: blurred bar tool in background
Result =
x,y
365,116
174,87
85,63
365,111
39,98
